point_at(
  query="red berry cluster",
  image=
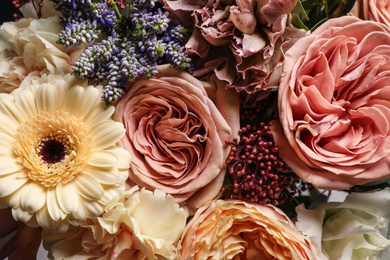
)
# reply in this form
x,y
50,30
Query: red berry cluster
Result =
x,y
256,170
121,3
20,3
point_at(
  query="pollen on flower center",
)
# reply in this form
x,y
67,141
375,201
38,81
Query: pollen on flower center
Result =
x,y
53,147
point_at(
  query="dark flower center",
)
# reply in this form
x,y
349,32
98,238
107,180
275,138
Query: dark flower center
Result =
x,y
52,151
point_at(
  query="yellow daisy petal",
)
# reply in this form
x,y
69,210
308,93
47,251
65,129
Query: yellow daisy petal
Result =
x,y
9,165
47,98
108,176
73,99
53,207
93,209
8,125
103,159
89,187
91,96
99,114
68,198
26,100
44,220
21,215
107,133
10,183
33,197
10,108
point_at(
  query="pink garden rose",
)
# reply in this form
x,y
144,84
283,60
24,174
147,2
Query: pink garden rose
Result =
x,y
334,104
234,229
374,10
176,136
242,42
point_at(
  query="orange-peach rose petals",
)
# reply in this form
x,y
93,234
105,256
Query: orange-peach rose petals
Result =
x,y
233,229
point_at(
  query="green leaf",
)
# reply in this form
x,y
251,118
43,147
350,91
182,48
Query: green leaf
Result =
x,y
297,22
301,10
371,186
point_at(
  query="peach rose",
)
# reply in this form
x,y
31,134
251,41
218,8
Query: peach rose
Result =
x,y
176,136
334,104
374,10
233,229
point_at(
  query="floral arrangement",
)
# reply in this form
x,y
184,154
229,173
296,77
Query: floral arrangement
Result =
x,y
211,129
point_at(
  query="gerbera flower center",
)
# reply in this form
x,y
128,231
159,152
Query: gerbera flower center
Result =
x,y
53,147
52,150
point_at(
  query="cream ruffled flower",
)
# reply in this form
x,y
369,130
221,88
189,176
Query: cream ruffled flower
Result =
x,y
29,46
143,225
59,162
354,229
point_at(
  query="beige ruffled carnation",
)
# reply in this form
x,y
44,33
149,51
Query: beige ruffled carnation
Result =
x,y
29,46
233,229
59,162
142,225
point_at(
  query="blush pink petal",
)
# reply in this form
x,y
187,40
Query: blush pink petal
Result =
x,y
378,10
176,134
334,104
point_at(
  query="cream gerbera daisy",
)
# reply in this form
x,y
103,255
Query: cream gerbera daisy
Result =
x,y
59,162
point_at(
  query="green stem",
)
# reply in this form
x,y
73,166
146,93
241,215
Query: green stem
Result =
x,y
116,9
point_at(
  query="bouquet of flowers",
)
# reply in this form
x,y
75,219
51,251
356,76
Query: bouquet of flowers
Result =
x,y
209,129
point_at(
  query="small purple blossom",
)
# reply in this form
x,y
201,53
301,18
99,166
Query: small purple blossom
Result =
x,y
133,42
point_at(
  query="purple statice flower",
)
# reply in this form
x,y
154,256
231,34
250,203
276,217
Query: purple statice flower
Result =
x,y
122,44
79,32
93,61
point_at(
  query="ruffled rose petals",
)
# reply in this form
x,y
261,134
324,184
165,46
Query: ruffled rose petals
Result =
x,y
233,229
334,103
176,136
378,10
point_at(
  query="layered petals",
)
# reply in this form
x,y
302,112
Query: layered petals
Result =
x,y
176,136
32,49
334,104
233,229
142,225
242,42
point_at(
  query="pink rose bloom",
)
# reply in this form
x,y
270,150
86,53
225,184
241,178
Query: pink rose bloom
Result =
x,y
233,229
334,104
176,136
374,10
242,42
